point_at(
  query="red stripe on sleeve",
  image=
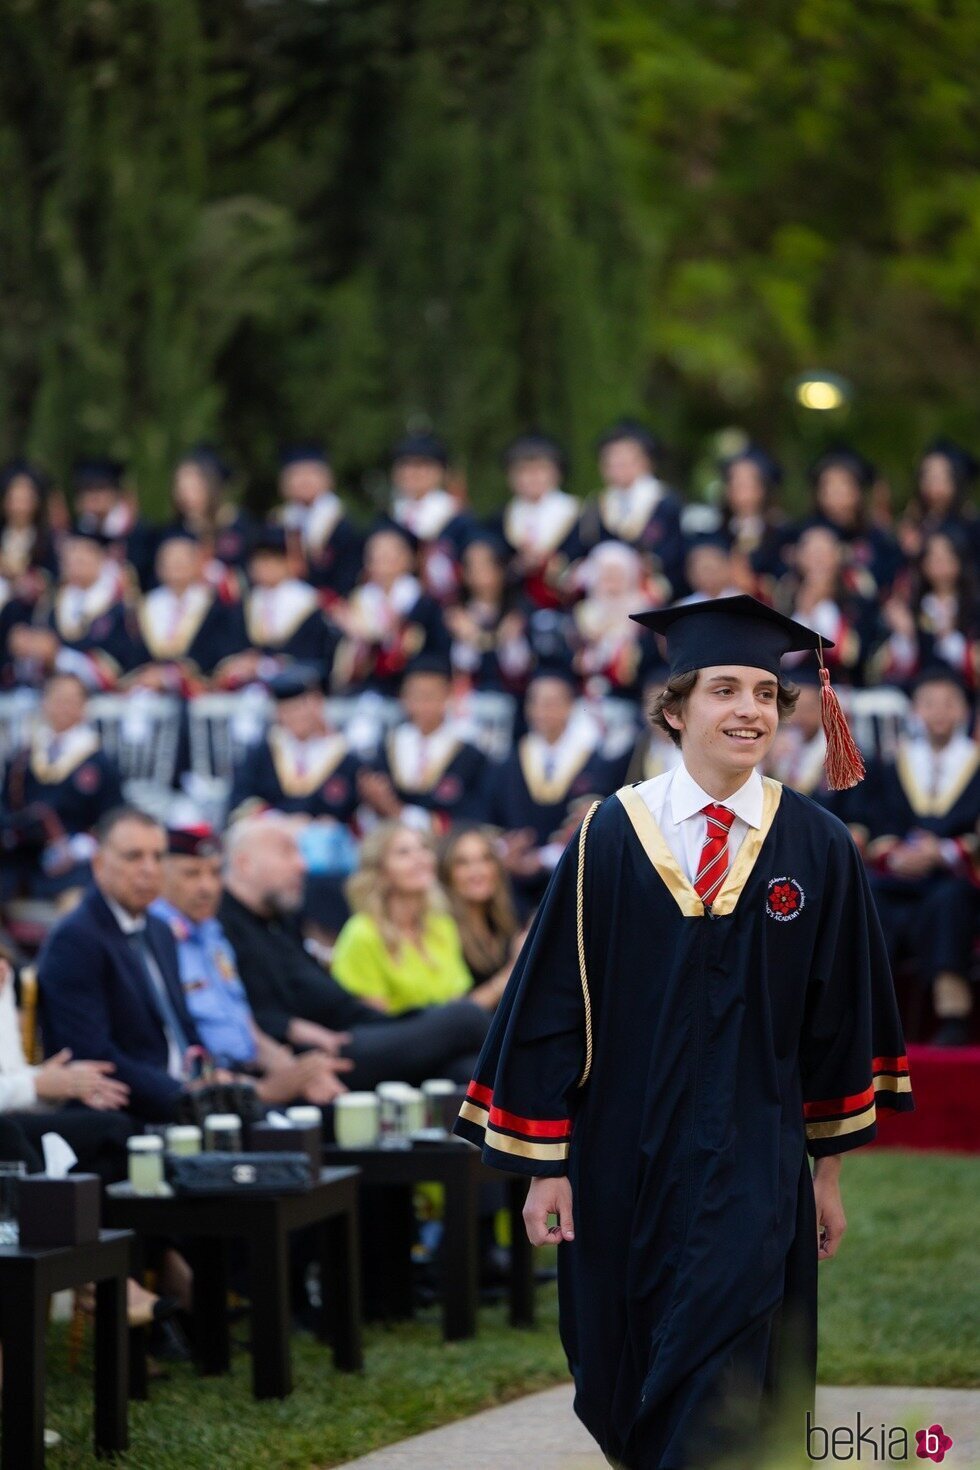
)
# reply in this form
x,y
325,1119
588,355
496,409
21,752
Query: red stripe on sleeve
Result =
x,y
480,1094
851,1104
890,1064
534,1127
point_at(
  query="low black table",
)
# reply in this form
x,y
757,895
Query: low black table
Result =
x,y
28,1278
457,1166
265,1224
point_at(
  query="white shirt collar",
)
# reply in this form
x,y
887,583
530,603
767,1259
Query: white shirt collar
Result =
x,y
128,923
687,798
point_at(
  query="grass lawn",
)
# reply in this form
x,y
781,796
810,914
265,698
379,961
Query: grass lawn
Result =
x,y
901,1304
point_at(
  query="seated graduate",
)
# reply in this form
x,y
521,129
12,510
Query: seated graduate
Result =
x,y
708,570
401,948
473,878
842,480
421,505
54,793
540,522
836,600
295,1000
104,506
184,628
934,614
752,523
213,991
330,545
612,655
491,623
300,766
388,620
284,621
536,794
427,773
654,752
84,625
199,494
800,747
944,479
28,562
919,816
636,506
34,1100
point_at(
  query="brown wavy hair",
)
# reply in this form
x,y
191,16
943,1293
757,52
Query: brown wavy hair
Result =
x,y
487,950
673,697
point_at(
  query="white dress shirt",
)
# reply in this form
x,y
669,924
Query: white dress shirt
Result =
x,y
676,802
17,1088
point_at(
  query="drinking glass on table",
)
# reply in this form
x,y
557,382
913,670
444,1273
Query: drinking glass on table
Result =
x,y
11,1172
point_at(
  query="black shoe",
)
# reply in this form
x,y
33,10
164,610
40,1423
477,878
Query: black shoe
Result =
x,y
167,1343
954,1031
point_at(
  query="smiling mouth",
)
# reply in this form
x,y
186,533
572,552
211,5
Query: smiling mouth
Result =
x,y
744,737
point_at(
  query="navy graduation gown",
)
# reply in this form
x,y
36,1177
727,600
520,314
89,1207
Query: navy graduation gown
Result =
x,y
519,797
266,777
202,646
723,1049
453,792
335,562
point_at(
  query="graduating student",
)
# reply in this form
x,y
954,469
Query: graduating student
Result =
x,y
534,794
703,999
421,505
301,766
842,481
54,792
920,814
103,506
540,522
200,504
636,506
184,629
427,773
284,621
330,544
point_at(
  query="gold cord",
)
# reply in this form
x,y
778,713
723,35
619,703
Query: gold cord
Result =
x,y
580,935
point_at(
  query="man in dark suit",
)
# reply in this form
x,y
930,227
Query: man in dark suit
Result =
x,y
108,975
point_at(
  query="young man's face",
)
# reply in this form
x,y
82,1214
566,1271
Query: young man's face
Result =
x,y
63,706
302,716
941,710
414,476
623,462
729,718
179,564
532,476
81,562
304,481
549,708
268,569
425,699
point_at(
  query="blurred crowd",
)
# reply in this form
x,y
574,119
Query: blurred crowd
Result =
x,y
379,738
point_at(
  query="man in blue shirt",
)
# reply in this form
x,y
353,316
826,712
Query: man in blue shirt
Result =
x,y
213,992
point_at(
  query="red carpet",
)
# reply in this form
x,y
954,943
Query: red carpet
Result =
x,y
946,1087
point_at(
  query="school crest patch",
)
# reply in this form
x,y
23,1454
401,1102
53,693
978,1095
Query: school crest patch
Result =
x,y
785,899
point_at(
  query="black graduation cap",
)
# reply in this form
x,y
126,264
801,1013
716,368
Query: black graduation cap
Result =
x,y
940,673
728,630
534,445
770,469
177,531
843,457
420,446
717,540
271,539
392,527
963,464
631,429
558,671
743,631
88,530
16,469
209,461
486,536
428,663
295,680
97,474
306,451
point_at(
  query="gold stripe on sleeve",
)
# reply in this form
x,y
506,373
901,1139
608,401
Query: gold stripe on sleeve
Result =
x,y
545,1152
883,1083
474,1114
840,1126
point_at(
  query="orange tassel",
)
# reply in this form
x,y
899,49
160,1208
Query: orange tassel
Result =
x,y
843,762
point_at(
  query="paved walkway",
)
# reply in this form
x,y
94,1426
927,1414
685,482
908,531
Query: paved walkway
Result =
x,y
540,1432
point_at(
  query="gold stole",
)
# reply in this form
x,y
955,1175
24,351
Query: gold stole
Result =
x,y
543,791
51,772
920,801
304,783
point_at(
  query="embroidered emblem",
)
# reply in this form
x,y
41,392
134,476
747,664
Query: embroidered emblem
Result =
x,y
88,779
784,900
450,788
335,789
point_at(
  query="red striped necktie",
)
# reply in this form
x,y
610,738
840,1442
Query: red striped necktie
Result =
x,y
713,865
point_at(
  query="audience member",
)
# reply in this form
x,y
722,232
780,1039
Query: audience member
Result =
x,y
108,976
201,508
539,523
27,558
473,877
835,600
295,1000
613,656
183,628
105,509
751,522
421,505
842,480
329,544
283,619
944,477
636,506
934,616
491,622
400,949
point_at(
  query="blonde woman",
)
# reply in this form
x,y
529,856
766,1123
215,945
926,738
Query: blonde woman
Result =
x,y
401,948
480,899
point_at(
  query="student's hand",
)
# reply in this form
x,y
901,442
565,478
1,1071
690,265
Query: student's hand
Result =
x,y
309,1033
59,1079
831,1221
375,788
549,1197
911,860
